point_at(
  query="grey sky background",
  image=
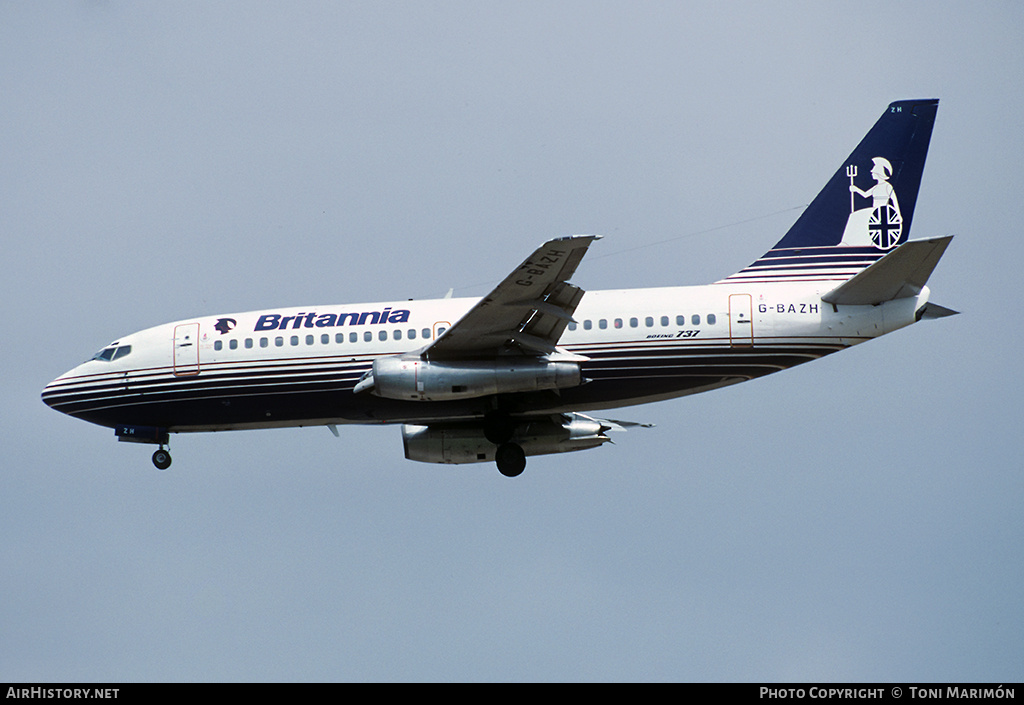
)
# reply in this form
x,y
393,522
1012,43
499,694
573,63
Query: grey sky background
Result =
x,y
855,519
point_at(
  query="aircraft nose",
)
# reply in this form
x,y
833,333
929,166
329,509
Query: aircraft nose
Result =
x,y
48,394
57,392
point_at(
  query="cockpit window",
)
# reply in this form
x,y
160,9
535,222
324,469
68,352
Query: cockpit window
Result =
x,y
112,353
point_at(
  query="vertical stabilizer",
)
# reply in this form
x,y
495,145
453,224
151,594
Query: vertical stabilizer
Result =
x,y
865,209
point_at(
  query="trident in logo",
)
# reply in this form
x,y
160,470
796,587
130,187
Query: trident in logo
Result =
x,y
851,171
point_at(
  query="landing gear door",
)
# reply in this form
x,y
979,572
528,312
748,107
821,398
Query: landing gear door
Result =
x,y
186,349
741,321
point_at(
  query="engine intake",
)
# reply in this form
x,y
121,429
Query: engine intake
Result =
x,y
425,380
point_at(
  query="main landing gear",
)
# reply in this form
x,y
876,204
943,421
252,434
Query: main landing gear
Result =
x,y
509,457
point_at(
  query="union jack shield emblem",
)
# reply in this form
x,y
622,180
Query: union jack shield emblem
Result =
x,y
885,227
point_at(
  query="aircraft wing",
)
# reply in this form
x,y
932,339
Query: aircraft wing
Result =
x,y
527,311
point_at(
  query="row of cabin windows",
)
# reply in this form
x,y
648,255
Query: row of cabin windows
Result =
x,y
649,322
325,338
412,333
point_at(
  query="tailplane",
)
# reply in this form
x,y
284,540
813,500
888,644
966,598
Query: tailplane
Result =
x,y
900,274
864,211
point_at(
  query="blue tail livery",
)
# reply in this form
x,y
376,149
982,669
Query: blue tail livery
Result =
x,y
865,209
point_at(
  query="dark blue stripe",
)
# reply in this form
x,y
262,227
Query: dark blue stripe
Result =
x,y
816,251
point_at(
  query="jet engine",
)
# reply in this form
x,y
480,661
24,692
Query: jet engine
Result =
x,y
426,380
457,443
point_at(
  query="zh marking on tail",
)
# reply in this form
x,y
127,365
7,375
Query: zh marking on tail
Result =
x,y
518,372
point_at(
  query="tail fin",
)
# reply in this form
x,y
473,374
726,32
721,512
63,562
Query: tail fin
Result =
x,y
864,211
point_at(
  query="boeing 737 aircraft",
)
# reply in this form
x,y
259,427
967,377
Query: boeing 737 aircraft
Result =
x,y
518,372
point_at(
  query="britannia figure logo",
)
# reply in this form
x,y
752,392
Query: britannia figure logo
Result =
x,y
223,325
880,224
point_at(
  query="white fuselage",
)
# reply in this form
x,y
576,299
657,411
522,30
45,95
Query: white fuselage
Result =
x,y
298,366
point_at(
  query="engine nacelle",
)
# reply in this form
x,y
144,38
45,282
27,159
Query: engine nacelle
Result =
x,y
425,380
456,444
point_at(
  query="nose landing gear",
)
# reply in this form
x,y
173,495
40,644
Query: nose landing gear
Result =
x,y
162,458
148,434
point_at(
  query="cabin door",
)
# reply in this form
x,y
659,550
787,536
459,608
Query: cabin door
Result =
x,y
440,327
186,349
741,320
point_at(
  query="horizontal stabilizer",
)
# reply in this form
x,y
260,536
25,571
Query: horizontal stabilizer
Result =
x,y
617,425
931,310
900,274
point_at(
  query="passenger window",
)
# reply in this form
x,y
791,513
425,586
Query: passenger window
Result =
x,y
309,340
412,334
680,320
587,324
649,321
618,323
294,340
695,319
382,335
353,337
217,345
248,343
264,342
339,337
572,325
397,335
233,343
664,320
279,341
440,332
368,336
325,338
602,324
633,322
711,319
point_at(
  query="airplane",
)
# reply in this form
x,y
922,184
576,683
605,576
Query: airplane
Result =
x,y
520,371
